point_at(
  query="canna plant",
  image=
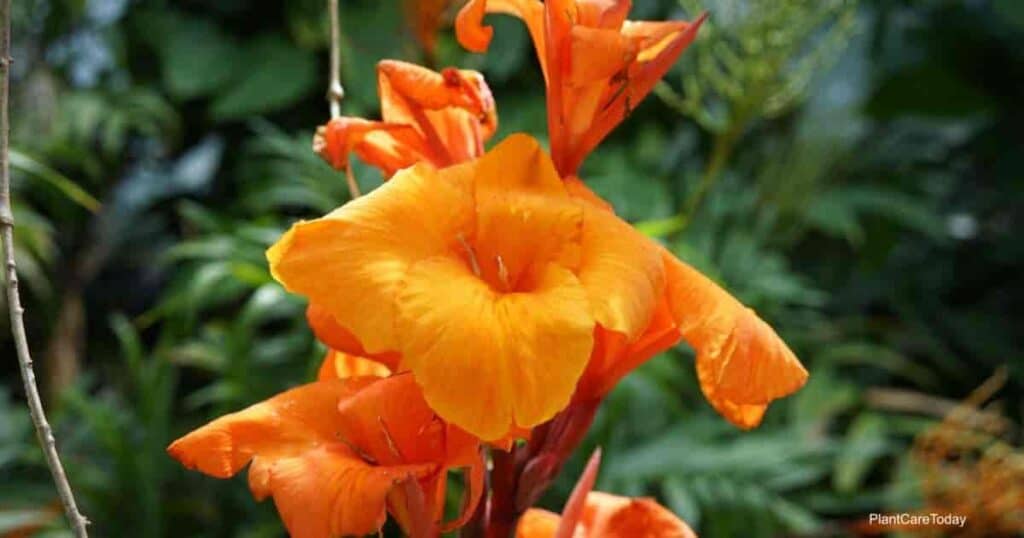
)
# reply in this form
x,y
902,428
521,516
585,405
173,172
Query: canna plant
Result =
x,y
480,305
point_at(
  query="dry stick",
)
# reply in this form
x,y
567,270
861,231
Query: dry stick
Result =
x,y
35,404
335,91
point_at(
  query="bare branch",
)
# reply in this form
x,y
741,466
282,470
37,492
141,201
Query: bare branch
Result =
x,y
335,91
35,404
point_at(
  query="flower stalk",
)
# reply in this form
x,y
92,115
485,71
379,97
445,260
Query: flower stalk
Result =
x,y
44,432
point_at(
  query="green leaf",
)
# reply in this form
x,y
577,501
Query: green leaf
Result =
x,y
66,185
276,75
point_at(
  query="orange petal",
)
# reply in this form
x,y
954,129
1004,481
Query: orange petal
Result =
x,y
575,505
484,359
340,339
537,523
613,357
338,365
742,359
391,423
453,111
661,44
525,217
611,516
745,416
387,146
473,35
622,272
352,262
320,486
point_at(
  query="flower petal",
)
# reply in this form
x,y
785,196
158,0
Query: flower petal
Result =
x,y
387,146
321,487
525,217
611,516
453,111
339,365
473,35
622,272
352,262
390,421
351,356
661,44
614,357
489,361
745,416
744,362
537,523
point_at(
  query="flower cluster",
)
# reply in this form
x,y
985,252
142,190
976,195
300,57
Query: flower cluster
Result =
x,y
480,304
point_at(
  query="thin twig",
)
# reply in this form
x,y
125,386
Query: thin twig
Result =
x,y
35,404
335,91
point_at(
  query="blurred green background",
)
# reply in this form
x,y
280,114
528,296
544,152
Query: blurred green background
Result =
x,y
852,170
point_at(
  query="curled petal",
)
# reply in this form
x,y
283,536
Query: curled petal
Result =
x,y
387,146
469,27
452,111
741,360
472,34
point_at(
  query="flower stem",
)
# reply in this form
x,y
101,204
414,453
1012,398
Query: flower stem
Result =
x,y
43,430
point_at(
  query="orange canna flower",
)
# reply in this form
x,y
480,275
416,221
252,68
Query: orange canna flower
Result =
x,y
478,276
592,514
337,455
742,364
597,65
437,118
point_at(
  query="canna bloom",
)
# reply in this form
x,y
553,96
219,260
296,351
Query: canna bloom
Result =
x,y
436,118
337,456
487,279
597,65
498,285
